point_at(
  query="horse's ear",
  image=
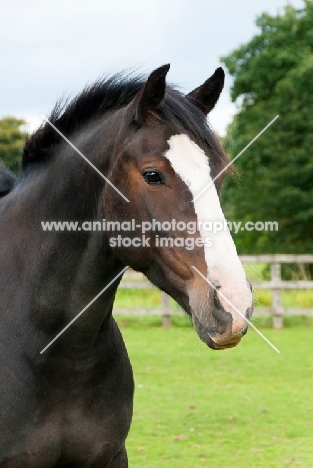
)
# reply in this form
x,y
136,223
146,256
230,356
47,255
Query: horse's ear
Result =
x,y
151,95
206,95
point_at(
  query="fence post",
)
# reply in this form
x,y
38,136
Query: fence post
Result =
x,y
166,317
277,309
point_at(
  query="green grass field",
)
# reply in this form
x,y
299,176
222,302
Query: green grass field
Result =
x,y
247,407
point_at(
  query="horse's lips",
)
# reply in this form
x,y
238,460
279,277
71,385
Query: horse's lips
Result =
x,y
216,347
221,347
204,335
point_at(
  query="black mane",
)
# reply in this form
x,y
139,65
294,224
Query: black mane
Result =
x,y
7,180
111,94
70,115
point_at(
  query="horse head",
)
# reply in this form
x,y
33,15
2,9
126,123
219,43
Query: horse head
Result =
x,y
169,165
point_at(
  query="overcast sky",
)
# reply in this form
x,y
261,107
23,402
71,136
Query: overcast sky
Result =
x,y
52,48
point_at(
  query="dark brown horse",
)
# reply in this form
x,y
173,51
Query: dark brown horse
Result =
x,y
71,405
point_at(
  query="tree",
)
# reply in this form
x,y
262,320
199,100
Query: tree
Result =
x,y
11,142
273,74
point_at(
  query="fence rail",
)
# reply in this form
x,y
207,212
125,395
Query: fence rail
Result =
x,y
134,280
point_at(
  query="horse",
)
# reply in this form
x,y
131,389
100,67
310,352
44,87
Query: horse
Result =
x,y
71,405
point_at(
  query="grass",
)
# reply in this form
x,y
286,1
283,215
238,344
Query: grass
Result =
x,y
246,407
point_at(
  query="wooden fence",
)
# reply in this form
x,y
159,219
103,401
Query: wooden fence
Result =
x,y
136,280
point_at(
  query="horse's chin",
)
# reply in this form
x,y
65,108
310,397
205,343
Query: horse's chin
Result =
x,y
217,347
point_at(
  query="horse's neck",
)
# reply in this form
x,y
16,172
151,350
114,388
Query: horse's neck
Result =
x,y
61,272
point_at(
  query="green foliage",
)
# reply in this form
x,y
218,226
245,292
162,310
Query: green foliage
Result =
x,y
273,74
11,142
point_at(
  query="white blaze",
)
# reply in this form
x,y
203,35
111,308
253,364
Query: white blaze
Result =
x,y
192,165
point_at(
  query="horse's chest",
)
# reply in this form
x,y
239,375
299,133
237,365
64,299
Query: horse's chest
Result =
x,y
75,435
72,421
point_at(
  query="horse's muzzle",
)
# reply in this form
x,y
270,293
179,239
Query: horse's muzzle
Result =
x,y
216,326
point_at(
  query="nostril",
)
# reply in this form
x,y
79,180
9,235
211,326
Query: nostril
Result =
x,y
217,285
217,303
243,331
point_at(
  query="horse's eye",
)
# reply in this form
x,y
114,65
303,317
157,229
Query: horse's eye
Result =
x,y
153,177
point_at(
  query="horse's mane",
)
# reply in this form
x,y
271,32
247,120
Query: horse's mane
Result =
x,y
71,115
7,180
109,94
